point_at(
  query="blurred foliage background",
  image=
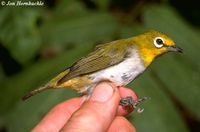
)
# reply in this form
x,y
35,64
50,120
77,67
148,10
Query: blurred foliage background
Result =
x,y
38,42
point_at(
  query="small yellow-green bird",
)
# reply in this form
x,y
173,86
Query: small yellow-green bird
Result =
x,y
120,62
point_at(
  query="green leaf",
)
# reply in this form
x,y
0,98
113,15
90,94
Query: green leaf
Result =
x,y
67,10
179,74
19,33
80,30
159,114
183,82
103,4
32,111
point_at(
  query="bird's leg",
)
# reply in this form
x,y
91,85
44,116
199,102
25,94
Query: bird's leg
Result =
x,y
129,102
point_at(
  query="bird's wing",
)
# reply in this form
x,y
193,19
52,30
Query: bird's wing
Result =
x,y
103,57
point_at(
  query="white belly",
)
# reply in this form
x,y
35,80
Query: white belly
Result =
x,y
122,73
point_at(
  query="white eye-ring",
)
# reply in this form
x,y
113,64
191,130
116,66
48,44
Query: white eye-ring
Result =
x,y
158,42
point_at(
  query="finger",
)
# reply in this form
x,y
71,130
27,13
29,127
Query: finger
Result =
x,y
121,124
59,115
97,113
124,92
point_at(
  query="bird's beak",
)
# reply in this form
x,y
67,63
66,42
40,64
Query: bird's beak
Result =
x,y
175,49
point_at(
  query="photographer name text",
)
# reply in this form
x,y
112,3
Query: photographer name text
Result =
x,y
22,3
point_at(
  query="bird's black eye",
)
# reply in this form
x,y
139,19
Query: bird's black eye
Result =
x,y
158,42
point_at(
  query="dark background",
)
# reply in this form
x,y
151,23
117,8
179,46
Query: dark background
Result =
x,y
38,42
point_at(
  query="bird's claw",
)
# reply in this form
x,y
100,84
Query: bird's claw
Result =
x,y
129,102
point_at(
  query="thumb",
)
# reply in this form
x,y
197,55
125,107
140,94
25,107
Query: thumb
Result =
x,y
98,112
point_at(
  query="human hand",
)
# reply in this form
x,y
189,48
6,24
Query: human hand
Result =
x,y
101,112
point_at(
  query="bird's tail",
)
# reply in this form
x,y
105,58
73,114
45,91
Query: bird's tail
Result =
x,y
51,84
36,91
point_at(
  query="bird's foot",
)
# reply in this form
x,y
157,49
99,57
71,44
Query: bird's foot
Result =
x,y
129,102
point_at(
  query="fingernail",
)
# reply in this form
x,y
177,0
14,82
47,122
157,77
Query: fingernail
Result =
x,y
103,92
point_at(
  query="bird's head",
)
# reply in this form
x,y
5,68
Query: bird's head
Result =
x,y
152,44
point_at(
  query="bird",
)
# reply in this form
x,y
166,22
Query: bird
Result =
x,y
119,61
